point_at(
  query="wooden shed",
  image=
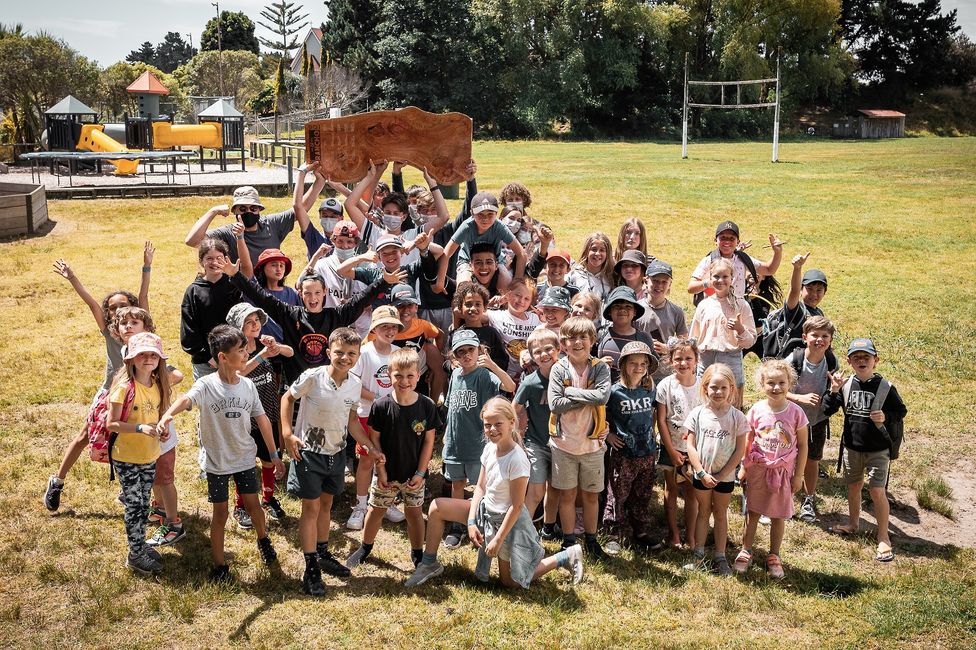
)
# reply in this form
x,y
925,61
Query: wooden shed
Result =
x,y
23,209
881,124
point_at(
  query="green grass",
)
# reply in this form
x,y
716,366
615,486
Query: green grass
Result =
x,y
934,494
891,223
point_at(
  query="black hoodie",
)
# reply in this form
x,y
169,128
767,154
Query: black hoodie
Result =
x,y
205,306
860,433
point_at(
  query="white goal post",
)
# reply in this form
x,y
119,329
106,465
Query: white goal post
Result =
x,y
689,103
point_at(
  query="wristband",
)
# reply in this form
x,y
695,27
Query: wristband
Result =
x,y
700,474
472,522
274,455
238,237
704,284
435,188
146,269
138,428
420,474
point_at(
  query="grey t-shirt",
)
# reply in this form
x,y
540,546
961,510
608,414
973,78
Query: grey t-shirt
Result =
x,y
813,379
464,438
272,230
113,358
225,422
466,236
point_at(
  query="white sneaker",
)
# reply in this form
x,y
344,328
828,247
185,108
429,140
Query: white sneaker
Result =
x,y
356,519
575,567
394,515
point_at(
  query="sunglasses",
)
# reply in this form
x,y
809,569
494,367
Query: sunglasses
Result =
x,y
248,208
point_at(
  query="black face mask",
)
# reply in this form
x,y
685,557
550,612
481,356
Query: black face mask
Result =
x,y
250,219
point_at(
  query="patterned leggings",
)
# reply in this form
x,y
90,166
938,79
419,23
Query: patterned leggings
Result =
x,y
136,482
630,485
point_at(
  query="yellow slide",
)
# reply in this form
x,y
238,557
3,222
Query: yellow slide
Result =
x,y
93,139
166,135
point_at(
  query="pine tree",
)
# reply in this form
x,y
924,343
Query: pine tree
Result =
x,y
145,54
284,22
350,34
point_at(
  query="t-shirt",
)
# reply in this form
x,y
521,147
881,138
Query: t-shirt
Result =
x,y
463,435
499,473
812,379
265,378
286,295
225,422
467,236
533,395
671,319
338,290
370,273
611,343
113,358
414,337
272,230
715,437
373,370
581,277
490,337
739,272
402,432
514,332
630,414
138,448
678,402
775,432
323,414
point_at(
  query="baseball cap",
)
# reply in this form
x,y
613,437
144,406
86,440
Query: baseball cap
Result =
x,y
345,229
273,255
239,313
484,201
862,345
144,342
388,240
727,225
814,275
403,294
246,195
623,294
632,256
331,204
657,267
556,297
559,253
639,347
385,315
463,338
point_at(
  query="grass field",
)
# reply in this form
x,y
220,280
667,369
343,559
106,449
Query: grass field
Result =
x,y
892,225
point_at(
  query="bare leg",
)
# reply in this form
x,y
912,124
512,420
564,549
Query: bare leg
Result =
x,y
810,475
591,505
457,488
307,524
881,507
550,508
691,516
415,526
777,528
374,520
254,509
749,535
533,496
364,476
72,453
166,494
217,523
443,510
323,524
671,507
567,510
720,512
704,498
854,505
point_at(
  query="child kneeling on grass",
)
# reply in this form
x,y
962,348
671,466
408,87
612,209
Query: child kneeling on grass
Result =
x,y
498,522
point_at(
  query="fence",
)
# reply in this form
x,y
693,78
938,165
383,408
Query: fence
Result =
x,y
288,123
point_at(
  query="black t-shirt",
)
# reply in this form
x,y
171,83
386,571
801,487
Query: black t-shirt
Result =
x,y
490,337
267,379
610,344
402,430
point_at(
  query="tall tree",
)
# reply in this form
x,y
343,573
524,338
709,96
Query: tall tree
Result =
x,y
241,73
145,54
284,21
236,33
349,34
173,52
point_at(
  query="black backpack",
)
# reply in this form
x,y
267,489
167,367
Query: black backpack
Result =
x,y
777,331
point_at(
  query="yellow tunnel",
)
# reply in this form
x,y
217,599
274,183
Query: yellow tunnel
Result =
x,y
167,135
93,139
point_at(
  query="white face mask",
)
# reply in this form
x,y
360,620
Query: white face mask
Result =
x,y
512,224
328,225
344,254
524,236
392,221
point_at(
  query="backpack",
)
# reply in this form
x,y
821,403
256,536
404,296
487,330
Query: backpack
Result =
x,y
893,432
777,331
750,267
100,439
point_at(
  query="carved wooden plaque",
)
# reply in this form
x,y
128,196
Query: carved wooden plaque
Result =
x,y
345,145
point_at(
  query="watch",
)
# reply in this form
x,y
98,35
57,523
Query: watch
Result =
x,y
700,474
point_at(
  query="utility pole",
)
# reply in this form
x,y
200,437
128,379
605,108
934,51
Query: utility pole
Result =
x,y
190,36
220,51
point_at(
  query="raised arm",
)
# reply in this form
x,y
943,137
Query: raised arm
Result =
x,y
243,254
770,267
312,194
199,230
298,195
796,281
348,268
147,259
439,204
64,270
356,214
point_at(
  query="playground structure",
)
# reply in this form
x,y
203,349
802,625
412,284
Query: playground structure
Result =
x,y
71,126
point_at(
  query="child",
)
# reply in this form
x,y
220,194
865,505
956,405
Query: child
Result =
x,y
140,393
743,265
532,408
622,311
476,379
326,260
807,291
555,308
632,446
373,371
594,269
629,271
515,323
471,301
486,271
401,430
266,377
329,395
670,317
814,368
498,522
389,253
557,270
716,442
723,325
227,403
270,272
632,237
873,420
424,337
588,304
104,314
677,395
775,448
579,387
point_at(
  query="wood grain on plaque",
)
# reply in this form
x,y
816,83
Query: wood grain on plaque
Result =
x,y
345,145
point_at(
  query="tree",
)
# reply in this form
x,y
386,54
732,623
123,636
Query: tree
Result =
x,y
146,54
241,70
236,33
173,52
284,22
113,98
349,35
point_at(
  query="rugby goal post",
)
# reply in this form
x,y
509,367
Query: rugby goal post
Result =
x,y
689,103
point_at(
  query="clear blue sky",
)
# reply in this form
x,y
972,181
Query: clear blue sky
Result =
x,y
108,30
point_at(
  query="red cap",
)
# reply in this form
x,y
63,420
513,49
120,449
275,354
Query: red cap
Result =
x,y
273,255
561,254
345,228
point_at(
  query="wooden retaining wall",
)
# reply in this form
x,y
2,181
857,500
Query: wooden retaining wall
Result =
x,y
23,209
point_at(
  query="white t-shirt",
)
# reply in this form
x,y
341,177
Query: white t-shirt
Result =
x,y
372,234
225,422
715,436
373,370
499,472
323,414
739,273
514,333
338,290
678,402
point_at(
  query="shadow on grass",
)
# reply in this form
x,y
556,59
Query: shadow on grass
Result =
x,y
904,544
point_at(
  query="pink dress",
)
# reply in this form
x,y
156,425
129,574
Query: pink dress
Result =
x,y
771,460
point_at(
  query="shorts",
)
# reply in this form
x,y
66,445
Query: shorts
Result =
x,y
540,462
585,471
360,450
246,483
818,438
317,473
664,460
873,463
724,487
461,471
732,359
166,469
263,453
380,498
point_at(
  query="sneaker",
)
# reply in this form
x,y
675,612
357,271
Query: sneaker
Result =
x,y
575,562
312,582
808,510
221,574
555,535
268,554
156,515
52,495
357,518
698,561
274,509
153,553
143,563
332,566
356,558
722,565
167,534
455,536
394,515
764,520
613,547
243,519
594,549
424,573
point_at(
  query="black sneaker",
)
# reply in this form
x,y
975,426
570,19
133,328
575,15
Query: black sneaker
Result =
x,y
143,563
243,519
274,509
221,574
555,534
268,554
808,510
332,566
312,582
52,495
593,549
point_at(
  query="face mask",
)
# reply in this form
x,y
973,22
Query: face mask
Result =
x,y
515,205
328,224
250,219
392,221
345,253
419,218
524,236
513,224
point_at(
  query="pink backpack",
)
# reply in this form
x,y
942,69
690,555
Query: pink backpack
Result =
x,y
100,439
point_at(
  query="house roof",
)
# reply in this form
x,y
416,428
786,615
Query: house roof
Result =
x,y
220,108
147,84
317,32
70,106
873,112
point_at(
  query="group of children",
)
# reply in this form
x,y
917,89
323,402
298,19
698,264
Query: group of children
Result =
x,y
555,389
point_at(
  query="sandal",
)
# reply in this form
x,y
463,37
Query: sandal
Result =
x,y
842,530
742,562
775,566
885,553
